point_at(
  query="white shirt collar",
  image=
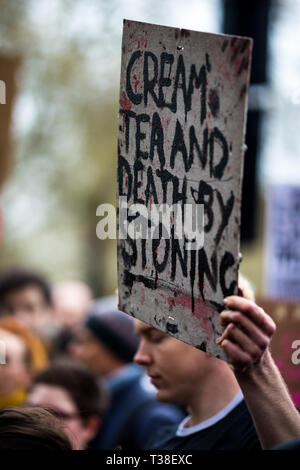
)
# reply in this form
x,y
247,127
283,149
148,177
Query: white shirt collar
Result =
x,y
183,431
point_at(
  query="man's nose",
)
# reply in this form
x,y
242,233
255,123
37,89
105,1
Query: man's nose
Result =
x,y
143,354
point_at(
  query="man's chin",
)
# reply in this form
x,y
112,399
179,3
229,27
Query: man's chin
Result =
x,y
164,396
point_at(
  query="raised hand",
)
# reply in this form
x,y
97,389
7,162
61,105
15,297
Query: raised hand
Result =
x,y
248,332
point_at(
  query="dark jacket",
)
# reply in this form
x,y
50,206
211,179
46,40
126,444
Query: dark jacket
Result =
x,y
134,414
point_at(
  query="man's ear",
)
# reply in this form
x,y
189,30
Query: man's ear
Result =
x,y
92,426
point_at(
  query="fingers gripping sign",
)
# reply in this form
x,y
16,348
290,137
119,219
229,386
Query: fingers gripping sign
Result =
x,y
247,334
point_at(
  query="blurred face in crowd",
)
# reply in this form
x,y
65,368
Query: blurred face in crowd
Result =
x,y
71,300
86,348
175,368
59,402
14,374
28,306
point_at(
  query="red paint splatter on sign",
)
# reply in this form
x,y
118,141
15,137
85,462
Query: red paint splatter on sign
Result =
x,y
125,103
202,311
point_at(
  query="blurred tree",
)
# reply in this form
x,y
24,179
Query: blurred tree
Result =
x,y
65,129
65,133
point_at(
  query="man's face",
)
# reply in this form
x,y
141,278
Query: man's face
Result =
x,y
58,401
14,373
176,369
27,305
90,351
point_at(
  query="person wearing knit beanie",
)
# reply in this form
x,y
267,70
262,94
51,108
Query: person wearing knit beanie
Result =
x,y
107,341
114,329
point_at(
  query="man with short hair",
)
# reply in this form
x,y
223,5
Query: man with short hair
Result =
x,y
218,417
72,393
31,429
26,295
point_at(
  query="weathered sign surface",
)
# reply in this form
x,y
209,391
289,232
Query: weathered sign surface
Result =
x,y
183,98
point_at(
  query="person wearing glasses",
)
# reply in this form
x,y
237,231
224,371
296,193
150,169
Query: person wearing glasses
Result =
x,y
73,395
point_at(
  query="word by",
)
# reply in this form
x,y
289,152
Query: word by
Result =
x,y
161,221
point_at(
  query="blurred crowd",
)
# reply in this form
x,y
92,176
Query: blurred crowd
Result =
x,y
72,355
77,373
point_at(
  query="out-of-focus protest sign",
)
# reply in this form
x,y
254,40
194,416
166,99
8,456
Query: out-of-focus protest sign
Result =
x,y
285,344
8,71
282,267
183,98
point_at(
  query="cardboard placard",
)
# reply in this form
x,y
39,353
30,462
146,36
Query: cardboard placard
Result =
x,y
183,98
285,346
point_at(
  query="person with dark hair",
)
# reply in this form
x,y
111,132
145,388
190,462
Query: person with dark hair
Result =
x,y
26,295
72,393
107,344
31,429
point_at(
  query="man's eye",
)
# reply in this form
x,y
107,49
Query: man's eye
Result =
x,y
156,337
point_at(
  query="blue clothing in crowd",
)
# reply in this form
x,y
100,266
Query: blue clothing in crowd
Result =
x,y
134,414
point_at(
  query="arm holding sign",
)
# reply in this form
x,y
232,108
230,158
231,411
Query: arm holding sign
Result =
x,y
246,341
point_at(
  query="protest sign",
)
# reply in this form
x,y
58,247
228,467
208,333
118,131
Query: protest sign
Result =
x,y
8,71
285,345
183,98
282,267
